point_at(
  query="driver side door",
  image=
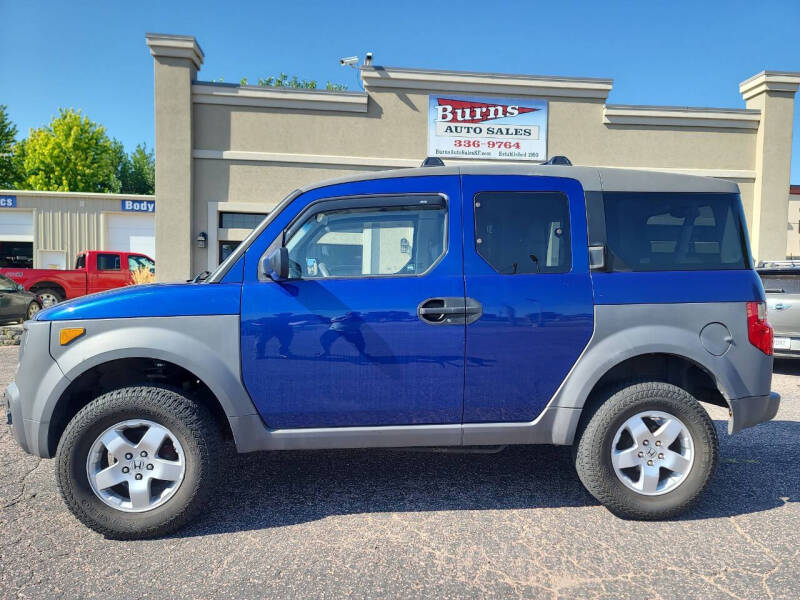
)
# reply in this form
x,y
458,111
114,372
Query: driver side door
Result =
x,y
343,341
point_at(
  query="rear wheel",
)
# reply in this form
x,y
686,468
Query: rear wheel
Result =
x,y
648,451
138,462
50,297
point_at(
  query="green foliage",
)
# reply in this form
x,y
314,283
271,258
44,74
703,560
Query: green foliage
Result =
x,y
8,135
139,176
72,154
335,87
283,81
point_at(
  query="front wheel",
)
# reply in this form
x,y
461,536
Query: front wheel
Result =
x,y
138,462
648,451
33,308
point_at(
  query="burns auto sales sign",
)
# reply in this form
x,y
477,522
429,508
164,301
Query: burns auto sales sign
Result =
x,y
487,128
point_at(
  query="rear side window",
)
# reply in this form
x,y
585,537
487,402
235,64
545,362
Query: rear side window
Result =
x,y
523,232
108,262
657,231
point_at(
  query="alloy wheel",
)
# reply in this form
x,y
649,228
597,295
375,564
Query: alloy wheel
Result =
x,y
652,453
136,465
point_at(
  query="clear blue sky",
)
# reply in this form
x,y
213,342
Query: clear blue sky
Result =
x,y
92,55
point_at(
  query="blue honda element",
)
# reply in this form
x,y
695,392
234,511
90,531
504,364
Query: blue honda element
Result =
x,y
439,306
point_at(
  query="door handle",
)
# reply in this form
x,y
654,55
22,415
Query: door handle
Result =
x,y
449,311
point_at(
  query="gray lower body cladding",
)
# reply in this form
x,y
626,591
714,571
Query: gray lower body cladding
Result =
x,y
208,346
746,412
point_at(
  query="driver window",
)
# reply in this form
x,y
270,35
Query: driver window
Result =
x,y
396,240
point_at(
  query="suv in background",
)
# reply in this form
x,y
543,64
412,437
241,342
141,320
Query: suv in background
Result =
x,y
781,281
439,306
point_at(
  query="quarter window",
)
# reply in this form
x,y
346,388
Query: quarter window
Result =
x,y
659,231
523,232
368,242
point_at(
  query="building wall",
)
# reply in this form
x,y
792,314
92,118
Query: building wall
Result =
x,y
67,222
793,226
251,146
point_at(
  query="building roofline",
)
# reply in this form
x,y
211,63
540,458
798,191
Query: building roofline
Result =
x,y
522,76
175,46
769,81
681,116
741,111
275,97
91,195
377,77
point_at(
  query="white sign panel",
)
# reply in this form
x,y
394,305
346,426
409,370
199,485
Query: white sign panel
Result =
x,y
487,128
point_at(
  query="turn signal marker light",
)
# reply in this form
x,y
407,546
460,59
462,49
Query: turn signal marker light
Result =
x,y
66,335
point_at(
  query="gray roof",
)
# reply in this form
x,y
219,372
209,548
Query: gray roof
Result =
x,y
591,178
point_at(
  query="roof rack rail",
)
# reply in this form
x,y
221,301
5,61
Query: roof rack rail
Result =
x,y
558,160
432,161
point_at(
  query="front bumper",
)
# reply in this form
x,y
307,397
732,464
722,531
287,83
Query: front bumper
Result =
x,y
14,415
746,412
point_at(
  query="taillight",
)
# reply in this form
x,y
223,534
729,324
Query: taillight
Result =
x,y
759,331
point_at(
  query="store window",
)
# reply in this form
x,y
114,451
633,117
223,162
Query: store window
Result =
x,y
226,249
240,220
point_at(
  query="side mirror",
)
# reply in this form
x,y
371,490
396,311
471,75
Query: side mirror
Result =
x,y
275,265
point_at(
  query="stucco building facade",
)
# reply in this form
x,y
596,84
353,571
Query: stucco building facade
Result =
x,y
227,154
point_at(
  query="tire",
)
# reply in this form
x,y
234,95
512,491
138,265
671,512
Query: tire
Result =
x,y
33,308
626,492
192,432
50,296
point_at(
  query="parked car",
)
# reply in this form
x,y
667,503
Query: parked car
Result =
x,y
782,286
16,304
440,306
95,271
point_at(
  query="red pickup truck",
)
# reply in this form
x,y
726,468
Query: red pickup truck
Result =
x,y
95,271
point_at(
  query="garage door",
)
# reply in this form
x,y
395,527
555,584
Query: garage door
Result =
x,y
131,233
16,226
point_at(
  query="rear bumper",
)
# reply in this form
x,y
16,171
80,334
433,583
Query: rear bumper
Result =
x,y
746,412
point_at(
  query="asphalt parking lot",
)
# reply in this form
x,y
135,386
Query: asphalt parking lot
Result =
x,y
412,524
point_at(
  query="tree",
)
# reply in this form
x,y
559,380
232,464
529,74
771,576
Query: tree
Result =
x,y
72,154
139,176
121,163
8,135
